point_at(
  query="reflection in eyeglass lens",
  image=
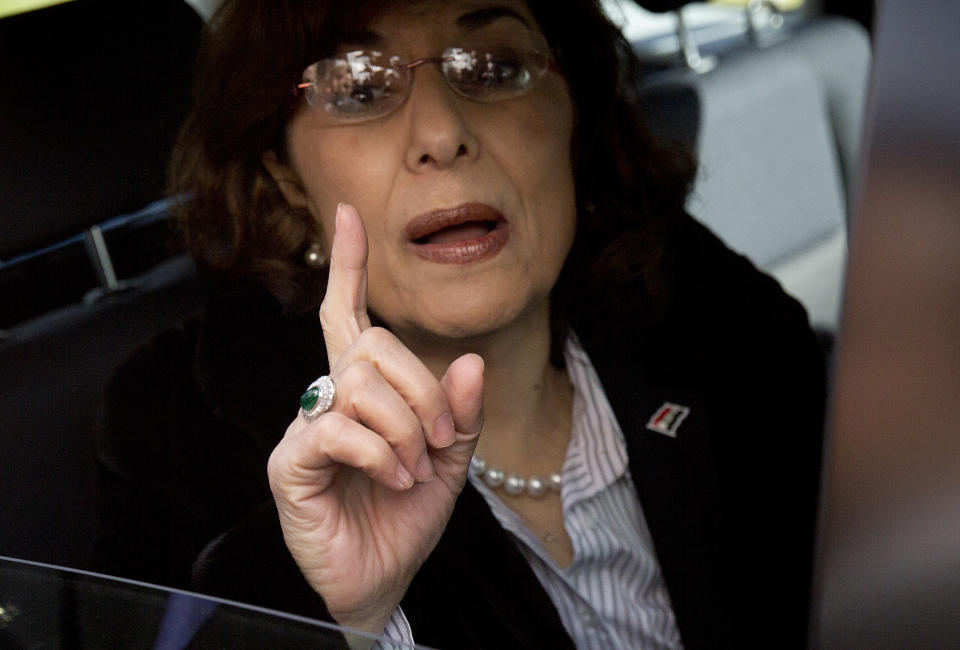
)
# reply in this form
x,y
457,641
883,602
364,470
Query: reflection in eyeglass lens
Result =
x,y
366,84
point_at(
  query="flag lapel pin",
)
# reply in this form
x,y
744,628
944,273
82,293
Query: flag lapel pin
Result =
x,y
668,418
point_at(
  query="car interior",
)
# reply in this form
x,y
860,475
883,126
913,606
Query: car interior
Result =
x,y
86,271
770,95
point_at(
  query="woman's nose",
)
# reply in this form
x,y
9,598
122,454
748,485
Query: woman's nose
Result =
x,y
440,134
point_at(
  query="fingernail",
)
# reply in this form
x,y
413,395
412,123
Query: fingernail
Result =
x,y
444,434
424,471
336,220
404,478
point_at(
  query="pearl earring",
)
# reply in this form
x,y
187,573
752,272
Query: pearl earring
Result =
x,y
314,257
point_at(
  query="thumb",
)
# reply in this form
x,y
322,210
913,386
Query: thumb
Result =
x,y
463,383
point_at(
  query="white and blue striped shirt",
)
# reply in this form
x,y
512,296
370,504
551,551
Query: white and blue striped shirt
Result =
x,y
612,595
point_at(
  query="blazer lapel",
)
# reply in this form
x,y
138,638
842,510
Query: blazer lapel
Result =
x,y
674,475
477,591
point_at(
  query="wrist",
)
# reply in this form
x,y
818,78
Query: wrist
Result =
x,y
368,623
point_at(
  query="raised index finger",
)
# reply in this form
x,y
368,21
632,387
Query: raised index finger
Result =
x,y
343,314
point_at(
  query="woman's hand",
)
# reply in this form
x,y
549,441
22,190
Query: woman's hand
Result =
x,y
365,490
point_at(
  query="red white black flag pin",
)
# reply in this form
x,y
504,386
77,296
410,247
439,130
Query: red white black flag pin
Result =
x,y
668,418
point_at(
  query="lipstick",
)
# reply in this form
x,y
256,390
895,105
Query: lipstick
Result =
x,y
465,233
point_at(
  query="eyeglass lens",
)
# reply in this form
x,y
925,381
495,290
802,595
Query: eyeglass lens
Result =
x,y
366,84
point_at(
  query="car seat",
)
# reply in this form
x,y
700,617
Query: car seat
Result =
x,y
774,116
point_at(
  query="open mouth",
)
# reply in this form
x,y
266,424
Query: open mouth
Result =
x,y
461,234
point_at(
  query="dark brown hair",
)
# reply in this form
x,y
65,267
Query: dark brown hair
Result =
x,y
236,222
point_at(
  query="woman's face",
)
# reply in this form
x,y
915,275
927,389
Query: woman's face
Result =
x,y
503,165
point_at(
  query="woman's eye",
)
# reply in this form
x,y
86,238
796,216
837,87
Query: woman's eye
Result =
x,y
491,72
496,72
363,97
359,95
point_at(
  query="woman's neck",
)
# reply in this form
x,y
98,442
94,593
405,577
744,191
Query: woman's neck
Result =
x,y
527,401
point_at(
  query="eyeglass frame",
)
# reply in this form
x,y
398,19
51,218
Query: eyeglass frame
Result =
x,y
548,53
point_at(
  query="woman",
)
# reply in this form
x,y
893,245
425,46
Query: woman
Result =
x,y
478,178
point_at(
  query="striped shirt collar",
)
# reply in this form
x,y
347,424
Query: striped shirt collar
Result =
x,y
597,454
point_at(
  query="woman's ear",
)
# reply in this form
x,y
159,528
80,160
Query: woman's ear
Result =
x,y
286,179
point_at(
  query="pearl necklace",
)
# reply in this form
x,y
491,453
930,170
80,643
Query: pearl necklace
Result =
x,y
514,484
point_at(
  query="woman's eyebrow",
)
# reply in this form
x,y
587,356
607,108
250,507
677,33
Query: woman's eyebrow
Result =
x,y
482,17
362,37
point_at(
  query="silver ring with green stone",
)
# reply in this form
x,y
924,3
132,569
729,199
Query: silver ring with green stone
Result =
x,y
318,397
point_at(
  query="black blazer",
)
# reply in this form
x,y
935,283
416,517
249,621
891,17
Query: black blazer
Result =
x,y
730,501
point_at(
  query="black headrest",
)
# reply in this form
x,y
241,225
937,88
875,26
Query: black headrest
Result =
x,y
92,93
661,6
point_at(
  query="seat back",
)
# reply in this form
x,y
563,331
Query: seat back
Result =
x,y
92,93
776,130
52,373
